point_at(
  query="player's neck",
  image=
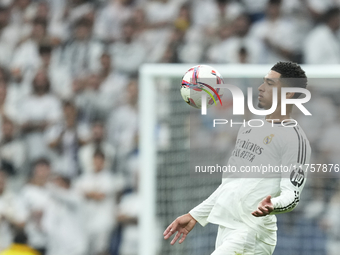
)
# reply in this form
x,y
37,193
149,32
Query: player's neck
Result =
x,y
277,116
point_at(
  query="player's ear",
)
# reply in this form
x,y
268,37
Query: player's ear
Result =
x,y
290,95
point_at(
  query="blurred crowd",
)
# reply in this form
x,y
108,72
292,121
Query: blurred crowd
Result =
x,y
69,96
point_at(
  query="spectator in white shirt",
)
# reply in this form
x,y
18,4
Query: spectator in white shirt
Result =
x,y
12,214
81,53
242,47
95,102
239,48
319,8
122,126
75,10
26,56
11,33
160,16
194,39
128,54
276,33
35,198
12,149
17,90
42,10
184,48
128,210
302,17
113,83
64,220
60,76
64,139
110,19
7,106
322,45
38,111
216,52
215,13
9,36
100,189
21,11
98,141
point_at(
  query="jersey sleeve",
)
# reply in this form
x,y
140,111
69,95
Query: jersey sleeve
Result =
x,y
202,211
295,154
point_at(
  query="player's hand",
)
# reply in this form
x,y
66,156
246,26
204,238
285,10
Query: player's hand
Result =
x,y
264,208
183,225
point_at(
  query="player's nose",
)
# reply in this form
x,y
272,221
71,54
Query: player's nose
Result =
x,y
261,87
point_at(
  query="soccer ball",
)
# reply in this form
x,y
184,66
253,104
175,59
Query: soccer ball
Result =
x,y
201,79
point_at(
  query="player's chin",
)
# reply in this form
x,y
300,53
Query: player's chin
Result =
x,y
260,105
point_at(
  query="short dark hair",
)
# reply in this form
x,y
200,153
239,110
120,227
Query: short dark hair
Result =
x,y
274,2
39,161
4,9
45,49
40,21
69,103
330,14
48,82
5,73
42,160
293,73
83,22
20,237
99,153
67,180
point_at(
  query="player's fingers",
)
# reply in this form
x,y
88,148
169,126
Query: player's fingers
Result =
x,y
171,229
166,231
268,199
263,209
259,213
175,238
171,226
170,233
270,208
183,238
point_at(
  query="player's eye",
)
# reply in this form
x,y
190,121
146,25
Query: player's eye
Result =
x,y
270,83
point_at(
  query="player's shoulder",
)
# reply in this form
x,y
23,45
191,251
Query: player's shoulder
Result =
x,y
295,132
290,130
294,136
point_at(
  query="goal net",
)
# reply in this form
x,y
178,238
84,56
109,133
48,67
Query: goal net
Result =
x,y
168,189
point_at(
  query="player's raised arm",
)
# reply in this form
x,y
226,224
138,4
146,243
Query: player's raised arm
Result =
x,y
295,155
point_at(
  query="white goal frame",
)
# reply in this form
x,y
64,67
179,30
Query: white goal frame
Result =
x,y
147,122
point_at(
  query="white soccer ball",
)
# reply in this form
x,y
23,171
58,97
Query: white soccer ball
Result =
x,y
201,79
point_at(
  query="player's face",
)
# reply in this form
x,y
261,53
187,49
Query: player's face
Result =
x,y
265,97
99,163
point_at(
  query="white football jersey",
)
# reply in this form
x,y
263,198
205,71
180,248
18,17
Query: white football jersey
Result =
x,y
272,147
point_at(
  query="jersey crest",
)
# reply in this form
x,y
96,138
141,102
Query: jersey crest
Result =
x,y
268,139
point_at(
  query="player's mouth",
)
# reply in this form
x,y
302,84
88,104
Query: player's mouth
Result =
x,y
260,96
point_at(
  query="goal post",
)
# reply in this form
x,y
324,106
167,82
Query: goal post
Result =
x,y
149,234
